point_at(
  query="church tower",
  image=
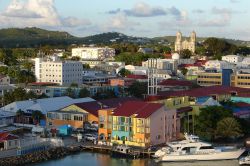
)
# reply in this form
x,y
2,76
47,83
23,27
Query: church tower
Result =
x,y
192,42
178,42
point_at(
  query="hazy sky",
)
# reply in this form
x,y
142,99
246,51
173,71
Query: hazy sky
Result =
x,y
221,18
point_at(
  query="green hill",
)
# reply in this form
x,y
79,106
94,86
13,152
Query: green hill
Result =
x,y
36,37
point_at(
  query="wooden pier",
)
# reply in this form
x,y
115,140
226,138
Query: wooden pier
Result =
x,y
138,153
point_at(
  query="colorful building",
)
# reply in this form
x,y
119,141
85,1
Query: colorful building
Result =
x,y
142,124
75,115
105,124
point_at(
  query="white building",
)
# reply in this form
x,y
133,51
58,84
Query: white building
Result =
x,y
93,53
219,65
57,71
232,58
246,61
136,70
162,64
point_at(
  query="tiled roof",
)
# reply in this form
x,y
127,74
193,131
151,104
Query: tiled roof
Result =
x,y
91,107
115,102
7,136
176,83
141,109
200,92
137,76
242,104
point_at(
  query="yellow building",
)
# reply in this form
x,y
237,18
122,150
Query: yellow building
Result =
x,y
75,115
241,80
142,124
209,79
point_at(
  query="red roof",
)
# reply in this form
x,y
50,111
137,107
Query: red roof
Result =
x,y
200,92
137,76
4,136
115,102
142,109
242,104
176,83
43,83
91,107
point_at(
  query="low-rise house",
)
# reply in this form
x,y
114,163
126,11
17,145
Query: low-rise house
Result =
x,y
174,85
6,118
75,115
146,50
8,141
143,124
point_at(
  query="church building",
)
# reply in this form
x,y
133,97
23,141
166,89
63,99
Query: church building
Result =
x,y
182,45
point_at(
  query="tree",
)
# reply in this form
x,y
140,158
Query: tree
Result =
x,y
124,72
85,66
228,128
37,116
215,46
184,71
186,54
19,94
137,89
84,92
105,94
20,115
70,92
206,122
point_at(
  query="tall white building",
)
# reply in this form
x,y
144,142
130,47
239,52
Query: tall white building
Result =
x,y
56,71
182,45
162,64
93,53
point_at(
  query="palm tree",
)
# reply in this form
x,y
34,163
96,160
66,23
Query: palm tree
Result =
x,y
20,115
37,115
228,128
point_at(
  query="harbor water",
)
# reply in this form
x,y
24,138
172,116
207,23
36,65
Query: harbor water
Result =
x,y
97,159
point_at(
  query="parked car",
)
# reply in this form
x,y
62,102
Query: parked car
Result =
x,y
90,137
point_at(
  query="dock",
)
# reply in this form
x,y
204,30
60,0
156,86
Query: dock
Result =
x,y
137,153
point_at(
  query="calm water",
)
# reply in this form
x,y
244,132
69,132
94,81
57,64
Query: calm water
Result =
x,y
94,159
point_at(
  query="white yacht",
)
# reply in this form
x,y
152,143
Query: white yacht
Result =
x,y
245,160
192,149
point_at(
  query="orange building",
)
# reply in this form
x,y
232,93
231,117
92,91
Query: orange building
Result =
x,y
105,124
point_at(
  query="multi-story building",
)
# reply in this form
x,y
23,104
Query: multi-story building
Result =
x,y
226,77
232,58
143,124
182,45
218,65
93,53
162,64
56,71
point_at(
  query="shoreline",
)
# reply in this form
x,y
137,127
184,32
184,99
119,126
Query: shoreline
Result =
x,y
40,156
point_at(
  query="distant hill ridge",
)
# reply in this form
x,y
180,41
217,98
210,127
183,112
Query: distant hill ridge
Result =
x,y
34,37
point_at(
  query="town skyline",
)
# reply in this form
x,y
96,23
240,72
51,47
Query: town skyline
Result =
x,y
137,18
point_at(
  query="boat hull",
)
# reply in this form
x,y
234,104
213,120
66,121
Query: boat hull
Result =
x,y
204,157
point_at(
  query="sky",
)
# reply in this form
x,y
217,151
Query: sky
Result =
x,y
142,18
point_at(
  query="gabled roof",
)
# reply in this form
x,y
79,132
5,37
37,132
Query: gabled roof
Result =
x,y
4,136
211,102
115,102
91,107
44,105
138,108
